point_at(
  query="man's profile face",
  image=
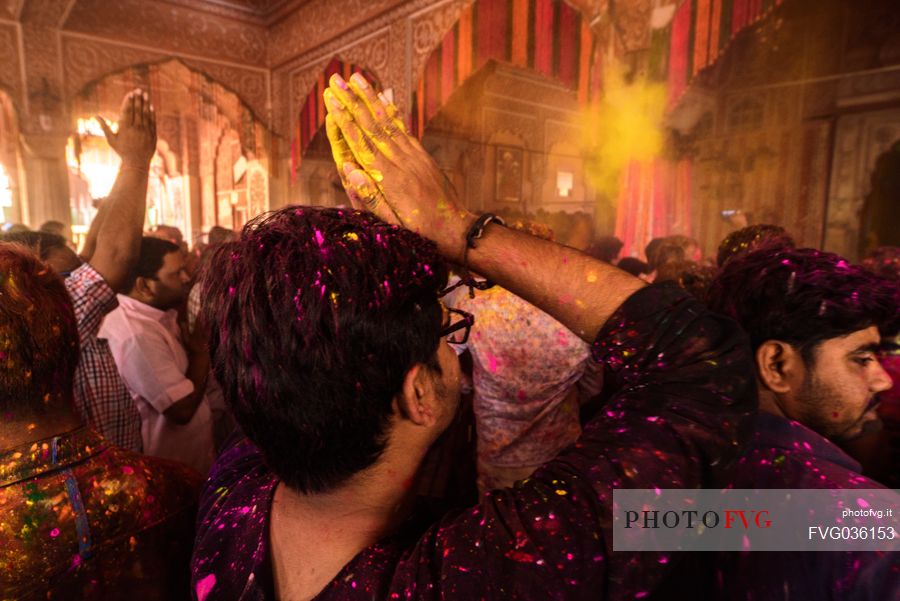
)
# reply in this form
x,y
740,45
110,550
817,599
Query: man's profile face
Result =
x,y
449,384
170,287
837,398
449,362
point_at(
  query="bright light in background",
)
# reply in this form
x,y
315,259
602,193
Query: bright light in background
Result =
x,y
565,181
97,164
94,166
5,194
100,177
91,127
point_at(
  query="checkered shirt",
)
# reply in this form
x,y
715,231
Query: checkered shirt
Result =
x,y
100,394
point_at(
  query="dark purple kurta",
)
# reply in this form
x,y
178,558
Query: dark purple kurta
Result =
x,y
786,454
684,393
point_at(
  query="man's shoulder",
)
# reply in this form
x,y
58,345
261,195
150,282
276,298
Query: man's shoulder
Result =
x,y
115,320
123,325
240,467
85,275
238,493
238,477
783,453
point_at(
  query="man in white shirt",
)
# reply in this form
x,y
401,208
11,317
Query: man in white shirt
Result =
x,y
165,371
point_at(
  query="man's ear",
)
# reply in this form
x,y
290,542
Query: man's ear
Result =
x,y
779,366
142,287
417,400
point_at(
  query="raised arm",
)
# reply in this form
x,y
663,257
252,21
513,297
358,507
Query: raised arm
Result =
x,y
90,241
387,172
118,233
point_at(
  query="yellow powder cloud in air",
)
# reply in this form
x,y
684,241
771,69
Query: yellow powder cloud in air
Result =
x,y
625,126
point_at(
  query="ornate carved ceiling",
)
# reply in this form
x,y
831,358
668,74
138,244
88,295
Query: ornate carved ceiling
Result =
x,y
262,11
168,26
268,51
258,33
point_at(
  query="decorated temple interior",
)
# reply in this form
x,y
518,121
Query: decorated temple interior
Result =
x,y
643,117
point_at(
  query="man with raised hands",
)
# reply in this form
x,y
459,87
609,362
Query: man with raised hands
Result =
x,y
331,345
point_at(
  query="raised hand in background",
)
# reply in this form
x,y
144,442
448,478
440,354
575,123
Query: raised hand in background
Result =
x,y
135,140
114,241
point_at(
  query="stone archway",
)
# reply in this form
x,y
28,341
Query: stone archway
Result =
x,y
315,180
505,138
880,219
860,139
193,112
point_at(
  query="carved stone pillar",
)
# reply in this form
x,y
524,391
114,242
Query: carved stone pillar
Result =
x,y
45,128
46,178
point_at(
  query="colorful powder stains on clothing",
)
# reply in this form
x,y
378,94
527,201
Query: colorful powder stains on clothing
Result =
x,y
82,519
525,367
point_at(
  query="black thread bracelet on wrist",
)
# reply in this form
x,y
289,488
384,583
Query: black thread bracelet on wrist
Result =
x,y
476,231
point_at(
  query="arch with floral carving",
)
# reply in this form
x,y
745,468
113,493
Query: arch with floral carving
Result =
x,y
193,111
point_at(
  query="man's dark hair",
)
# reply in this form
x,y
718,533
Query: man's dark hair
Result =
x,y
606,248
633,265
650,251
38,334
150,261
750,238
42,243
168,232
803,297
53,227
318,315
219,235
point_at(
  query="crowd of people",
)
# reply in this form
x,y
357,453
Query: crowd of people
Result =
x,y
405,400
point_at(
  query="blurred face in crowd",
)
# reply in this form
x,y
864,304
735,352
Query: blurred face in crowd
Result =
x,y
170,286
63,260
837,396
693,253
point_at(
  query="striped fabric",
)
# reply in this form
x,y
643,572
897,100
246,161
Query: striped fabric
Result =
x,y
655,197
700,32
553,39
548,36
654,201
